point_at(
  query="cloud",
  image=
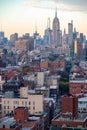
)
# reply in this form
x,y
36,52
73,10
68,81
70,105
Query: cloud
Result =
x,y
78,5
39,3
67,5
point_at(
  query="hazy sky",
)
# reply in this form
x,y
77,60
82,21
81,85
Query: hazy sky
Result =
x,y
22,15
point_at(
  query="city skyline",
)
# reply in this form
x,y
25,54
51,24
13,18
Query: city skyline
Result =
x,y
22,16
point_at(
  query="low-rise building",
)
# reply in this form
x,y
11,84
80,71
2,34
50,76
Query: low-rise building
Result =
x,y
8,123
70,119
77,84
82,104
20,120
53,92
34,102
42,90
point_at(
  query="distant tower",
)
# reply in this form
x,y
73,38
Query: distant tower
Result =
x,y
48,34
1,35
56,30
64,38
56,24
64,31
70,27
36,36
36,28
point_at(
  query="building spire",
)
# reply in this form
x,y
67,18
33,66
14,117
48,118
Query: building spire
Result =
x,y
36,28
56,12
1,27
48,23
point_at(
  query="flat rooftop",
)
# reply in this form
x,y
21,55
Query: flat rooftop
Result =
x,y
26,128
7,121
81,117
84,99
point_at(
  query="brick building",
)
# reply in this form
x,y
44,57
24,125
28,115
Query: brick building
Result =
x,y
77,80
44,64
78,86
20,121
57,65
70,105
24,44
70,119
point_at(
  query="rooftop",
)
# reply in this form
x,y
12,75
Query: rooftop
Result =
x,y
67,117
26,128
8,122
84,99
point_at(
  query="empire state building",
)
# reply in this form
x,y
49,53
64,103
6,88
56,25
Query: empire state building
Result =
x,y
56,31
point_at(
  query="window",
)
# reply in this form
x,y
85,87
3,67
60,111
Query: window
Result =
x,y
7,107
4,107
4,112
25,103
4,102
7,102
22,103
29,108
33,103
3,126
18,102
29,103
14,102
33,108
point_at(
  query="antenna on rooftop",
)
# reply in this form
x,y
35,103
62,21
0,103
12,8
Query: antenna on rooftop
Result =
x,y
56,12
48,23
35,27
1,27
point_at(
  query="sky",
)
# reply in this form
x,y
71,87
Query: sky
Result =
x,y
23,16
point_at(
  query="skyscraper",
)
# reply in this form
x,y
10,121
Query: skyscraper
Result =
x,y
13,38
48,39
70,27
70,38
1,35
56,31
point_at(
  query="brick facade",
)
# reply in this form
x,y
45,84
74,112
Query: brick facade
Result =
x,y
21,114
70,105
